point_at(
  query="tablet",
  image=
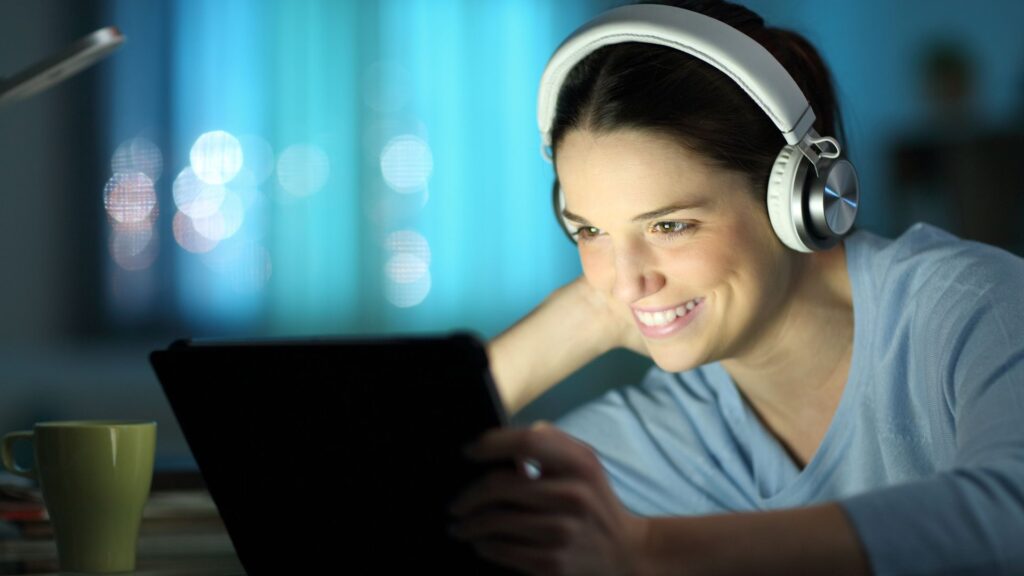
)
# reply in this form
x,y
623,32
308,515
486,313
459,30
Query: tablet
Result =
x,y
339,452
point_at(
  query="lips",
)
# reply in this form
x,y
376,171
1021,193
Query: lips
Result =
x,y
672,327
665,309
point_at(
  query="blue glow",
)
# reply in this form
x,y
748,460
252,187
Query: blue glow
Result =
x,y
315,241
494,241
316,89
217,69
406,163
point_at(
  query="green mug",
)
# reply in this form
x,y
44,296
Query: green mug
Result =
x,y
95,477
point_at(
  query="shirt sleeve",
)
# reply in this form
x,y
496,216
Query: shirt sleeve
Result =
x,y
968,517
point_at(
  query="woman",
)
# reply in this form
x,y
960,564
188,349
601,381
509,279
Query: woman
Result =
x,y
849,410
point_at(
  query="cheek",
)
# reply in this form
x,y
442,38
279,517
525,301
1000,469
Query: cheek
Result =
x,y
595,268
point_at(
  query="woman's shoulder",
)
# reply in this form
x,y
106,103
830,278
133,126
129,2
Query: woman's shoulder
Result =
x,y
928,261
944,300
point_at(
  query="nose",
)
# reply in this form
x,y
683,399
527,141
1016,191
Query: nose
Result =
x,y
633,280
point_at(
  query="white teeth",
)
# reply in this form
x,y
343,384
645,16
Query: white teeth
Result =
x,y
664,317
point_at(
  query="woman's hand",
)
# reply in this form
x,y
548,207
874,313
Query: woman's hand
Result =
x,y
566,521
572,325
615,318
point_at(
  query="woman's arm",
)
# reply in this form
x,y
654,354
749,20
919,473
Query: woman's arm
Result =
x,y
571,327
813,540
570,521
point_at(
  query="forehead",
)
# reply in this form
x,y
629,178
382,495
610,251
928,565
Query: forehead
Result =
x,y
636,167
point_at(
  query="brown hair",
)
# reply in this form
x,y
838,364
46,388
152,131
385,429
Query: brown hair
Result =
x,y
668,92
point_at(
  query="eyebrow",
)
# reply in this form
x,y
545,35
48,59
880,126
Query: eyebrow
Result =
x,y
675,207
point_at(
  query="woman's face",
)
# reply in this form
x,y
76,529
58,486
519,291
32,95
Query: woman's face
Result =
x,y
720,249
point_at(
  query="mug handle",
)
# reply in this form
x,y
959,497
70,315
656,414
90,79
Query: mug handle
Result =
x,y
7,452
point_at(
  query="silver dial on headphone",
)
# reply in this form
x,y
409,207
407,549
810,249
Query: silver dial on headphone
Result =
x,y
835,198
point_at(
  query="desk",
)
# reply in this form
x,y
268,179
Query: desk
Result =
x,y
181,534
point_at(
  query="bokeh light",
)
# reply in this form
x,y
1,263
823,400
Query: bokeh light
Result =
x,y
379,131
129,197
233,211
406,163
405,268
134,246
406,294
187,237
408,242
246,187
211,227
194,197
129,241
223,223
303,169
216,157
138,155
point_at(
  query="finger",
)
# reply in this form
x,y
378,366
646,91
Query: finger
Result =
x,y
545,446
525,527
505,488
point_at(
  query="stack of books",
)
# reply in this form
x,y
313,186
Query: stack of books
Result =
x,y
178,503
181,530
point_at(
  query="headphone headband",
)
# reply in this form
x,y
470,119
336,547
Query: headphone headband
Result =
x,y
811,205
737,55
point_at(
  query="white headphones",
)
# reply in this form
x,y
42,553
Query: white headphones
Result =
x,y
808,211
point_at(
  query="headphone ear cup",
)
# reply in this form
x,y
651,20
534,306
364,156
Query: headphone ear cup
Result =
x,y
783,198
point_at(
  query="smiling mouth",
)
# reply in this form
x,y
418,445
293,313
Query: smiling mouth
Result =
x,y
665,317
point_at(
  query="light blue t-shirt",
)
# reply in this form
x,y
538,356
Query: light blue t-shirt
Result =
x,y
925,452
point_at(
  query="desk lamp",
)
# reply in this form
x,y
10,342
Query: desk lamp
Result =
x,y
65,63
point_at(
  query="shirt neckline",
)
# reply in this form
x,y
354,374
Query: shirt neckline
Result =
x,y
838,431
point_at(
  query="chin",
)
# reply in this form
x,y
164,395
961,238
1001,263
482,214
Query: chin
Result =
x,y
672,363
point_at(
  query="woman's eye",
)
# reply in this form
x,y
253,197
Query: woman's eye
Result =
x,y
672,228
585,233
